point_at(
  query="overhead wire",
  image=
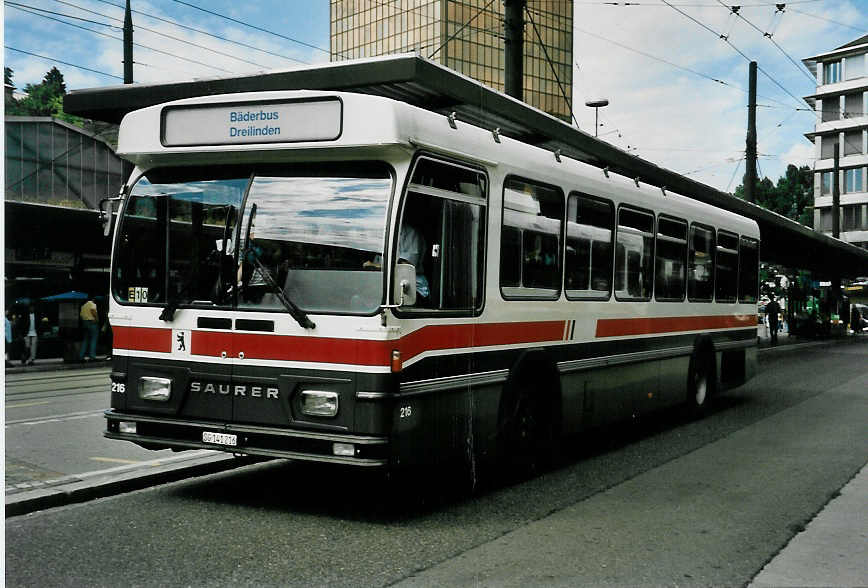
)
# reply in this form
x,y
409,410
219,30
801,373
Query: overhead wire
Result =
x,y
861,30
734,10
139,27
149,48
254,27
52,59
552,66
202,32
455,34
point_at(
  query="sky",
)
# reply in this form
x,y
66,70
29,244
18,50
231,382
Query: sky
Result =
x,y
677,91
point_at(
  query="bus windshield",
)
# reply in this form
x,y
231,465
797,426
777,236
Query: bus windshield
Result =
x,y
245,238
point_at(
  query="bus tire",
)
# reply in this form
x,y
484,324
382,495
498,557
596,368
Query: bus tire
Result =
x,y
527,420
701,376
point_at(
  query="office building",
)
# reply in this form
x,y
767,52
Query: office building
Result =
x,y
841,105
467,36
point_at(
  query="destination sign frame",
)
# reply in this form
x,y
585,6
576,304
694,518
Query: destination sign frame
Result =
x,y
247,123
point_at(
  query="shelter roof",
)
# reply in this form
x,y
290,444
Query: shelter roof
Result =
x,y
429,85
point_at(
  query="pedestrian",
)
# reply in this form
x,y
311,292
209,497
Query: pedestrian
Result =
x,y
772,310
8,338
855,319
90,322
31,338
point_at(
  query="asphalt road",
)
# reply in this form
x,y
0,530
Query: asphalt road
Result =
x,y
668,500
54,424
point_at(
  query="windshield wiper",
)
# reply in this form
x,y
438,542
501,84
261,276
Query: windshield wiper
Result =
x,y
294,311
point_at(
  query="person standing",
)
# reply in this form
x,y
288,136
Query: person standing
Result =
x,y
31,339
8,338
772,310
90,321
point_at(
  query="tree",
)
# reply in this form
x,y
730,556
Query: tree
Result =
x,y
44,98
791,197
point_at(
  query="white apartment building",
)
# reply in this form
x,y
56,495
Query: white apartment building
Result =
x,y
841,105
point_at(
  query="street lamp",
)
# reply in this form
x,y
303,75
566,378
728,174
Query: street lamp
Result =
x,y
597,105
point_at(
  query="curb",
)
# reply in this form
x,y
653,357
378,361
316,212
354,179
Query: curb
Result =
x,y
81,488
807,344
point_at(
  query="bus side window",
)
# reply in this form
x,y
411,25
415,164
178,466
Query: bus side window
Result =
x,y
671,258
590,224
748,270
700,271
634,255
726,274
442,234
510,257
535,213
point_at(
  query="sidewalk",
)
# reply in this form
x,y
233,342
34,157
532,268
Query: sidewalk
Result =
x,y
53,364
833,548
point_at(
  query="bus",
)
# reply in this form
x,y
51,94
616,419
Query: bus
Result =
x,y
347,278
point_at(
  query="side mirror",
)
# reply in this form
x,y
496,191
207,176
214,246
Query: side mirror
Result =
x,y
106,214
404,289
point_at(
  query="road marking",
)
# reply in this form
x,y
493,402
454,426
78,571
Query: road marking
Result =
x,y
190,455
57,418
23,404
116,460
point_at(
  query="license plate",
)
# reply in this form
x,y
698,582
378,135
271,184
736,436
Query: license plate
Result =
x,y
219,438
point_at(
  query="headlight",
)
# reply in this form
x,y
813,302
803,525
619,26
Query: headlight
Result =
x,y
157,389
319,403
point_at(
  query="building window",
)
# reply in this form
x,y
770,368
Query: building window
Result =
x,y
853,105
826,183
831,109
826,219
853,218
853,180
827,146
832,72
853,142
855,67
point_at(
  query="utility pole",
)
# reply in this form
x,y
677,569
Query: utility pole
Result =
x,y
750,151
836,222
128,45
514,48
836,194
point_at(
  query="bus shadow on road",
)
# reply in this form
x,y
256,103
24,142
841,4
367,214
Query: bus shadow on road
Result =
x,y
342,492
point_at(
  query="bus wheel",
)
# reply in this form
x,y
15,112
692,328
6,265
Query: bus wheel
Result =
x,y
528,431
701,378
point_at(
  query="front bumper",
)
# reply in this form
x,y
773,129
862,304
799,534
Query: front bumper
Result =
x,y
162,432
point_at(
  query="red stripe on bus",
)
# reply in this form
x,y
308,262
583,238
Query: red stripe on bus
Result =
x,y
670,324
352,351
142,339
441,337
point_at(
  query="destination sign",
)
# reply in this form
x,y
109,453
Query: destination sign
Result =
x,y
251,122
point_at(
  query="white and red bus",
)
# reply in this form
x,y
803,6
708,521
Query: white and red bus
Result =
x,y
347,278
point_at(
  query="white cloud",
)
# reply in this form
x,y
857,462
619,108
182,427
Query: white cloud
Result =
x,y
683,121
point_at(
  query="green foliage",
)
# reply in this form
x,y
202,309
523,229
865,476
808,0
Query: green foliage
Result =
x,y
791,197
43,99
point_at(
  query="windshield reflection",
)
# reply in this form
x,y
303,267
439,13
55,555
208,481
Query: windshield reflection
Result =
x,y
181,242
